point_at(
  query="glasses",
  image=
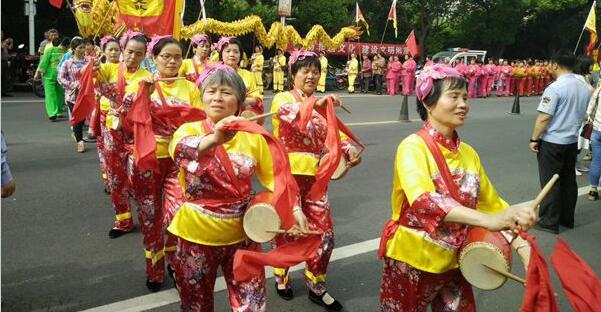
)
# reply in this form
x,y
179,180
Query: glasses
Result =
x,y
168,57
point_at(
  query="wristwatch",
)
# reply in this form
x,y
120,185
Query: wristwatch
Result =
x,y
534,141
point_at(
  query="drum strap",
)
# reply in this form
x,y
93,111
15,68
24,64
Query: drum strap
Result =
x,y
445,173
225,161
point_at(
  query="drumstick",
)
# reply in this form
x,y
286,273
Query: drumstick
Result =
x,y
544,191
170,78
345,109
507,274
257,117
280,231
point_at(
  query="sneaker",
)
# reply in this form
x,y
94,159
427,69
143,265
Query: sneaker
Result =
x,y
81,147
326,301
89,139
284,293
593,195
578,173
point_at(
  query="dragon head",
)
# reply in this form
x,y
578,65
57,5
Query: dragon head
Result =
x,y
95,17
84,17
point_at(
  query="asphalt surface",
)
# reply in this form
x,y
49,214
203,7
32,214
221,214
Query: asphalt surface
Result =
x,y
56,255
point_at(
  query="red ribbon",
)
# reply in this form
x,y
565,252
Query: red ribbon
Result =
x,y
248,263
389,230
580,283
539,295
86,99
142,119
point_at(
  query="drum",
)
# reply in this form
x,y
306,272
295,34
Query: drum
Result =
x,y
261,218
341,169
481,248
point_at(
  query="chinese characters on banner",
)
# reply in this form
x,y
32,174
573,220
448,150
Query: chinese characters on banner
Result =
x,y
359,48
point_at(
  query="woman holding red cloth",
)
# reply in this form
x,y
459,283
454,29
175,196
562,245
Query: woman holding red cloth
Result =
x,y
118,82
310,135
155,185
217,164
191,68
111,51
440,189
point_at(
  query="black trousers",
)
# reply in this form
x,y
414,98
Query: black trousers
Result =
x,y
379,80
558,207
365,81
77,128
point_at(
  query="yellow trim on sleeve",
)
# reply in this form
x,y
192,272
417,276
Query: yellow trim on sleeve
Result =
x,y
154,257
123,216
315,279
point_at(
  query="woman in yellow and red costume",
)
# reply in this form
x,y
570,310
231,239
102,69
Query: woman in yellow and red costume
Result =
x,y
217,159
161,106
309,129
118,82
191,68
230,51
433,207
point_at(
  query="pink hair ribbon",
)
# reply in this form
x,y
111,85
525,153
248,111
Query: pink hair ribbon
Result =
x,y
425,80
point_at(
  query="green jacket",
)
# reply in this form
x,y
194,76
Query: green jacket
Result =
x,y
49,64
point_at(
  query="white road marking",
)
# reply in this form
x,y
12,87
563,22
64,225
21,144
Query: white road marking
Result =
x,y
22,101
170,296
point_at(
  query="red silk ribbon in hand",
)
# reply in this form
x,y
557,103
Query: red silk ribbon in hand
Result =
x,y
86,99
539,295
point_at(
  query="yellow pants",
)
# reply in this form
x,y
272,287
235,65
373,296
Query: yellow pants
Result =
x,y
259,80
321,85
351,82
278,81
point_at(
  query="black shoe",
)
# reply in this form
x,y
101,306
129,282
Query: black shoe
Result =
x,y
114,233
335,306
593,195
53,118
285,294
107,191
546,229
153,286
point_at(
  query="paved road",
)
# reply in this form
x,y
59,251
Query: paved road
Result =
x,y
56,254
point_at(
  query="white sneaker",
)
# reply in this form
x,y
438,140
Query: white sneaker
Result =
x,y
578,173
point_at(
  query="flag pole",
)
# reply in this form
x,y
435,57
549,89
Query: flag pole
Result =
x,y
384,33
578,43
190,45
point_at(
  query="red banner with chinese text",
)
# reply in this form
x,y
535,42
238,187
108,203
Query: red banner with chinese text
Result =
x,y
368,48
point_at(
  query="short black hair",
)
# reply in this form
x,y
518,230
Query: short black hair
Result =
x,y
564,59
307,61
583,65
449,83
162,43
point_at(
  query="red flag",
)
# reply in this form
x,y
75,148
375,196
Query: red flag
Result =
x,y
412,44
580,283
144,141
539,295
86,99
56,3
359,17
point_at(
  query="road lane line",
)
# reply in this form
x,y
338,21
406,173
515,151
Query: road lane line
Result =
x,y
170,296
22,101
370,123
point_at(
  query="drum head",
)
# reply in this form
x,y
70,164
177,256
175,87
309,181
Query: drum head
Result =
x,y
258,219
471,261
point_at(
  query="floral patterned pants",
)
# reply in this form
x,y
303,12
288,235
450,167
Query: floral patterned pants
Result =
x,y
407,289
116,156
319,217
101,149
152,200
196,272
